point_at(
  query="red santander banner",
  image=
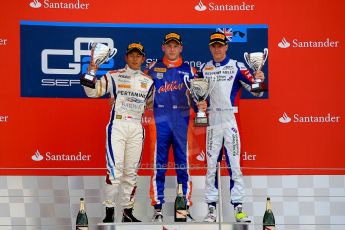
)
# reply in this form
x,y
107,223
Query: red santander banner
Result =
x,y
49,127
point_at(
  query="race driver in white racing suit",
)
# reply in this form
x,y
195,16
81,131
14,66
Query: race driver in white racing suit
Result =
x,y
132,90
222,131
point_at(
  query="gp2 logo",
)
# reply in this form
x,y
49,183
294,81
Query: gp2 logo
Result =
x,y
76,67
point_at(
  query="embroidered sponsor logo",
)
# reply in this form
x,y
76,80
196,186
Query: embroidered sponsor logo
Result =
x,y
124,86
173,86
160,75
160,70
124,76
132,94
183,72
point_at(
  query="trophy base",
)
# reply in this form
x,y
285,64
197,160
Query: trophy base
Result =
x,y
88,81
258,87
200,121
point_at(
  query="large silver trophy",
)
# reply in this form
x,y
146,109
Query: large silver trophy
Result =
x,y
100,54
256,61
200,89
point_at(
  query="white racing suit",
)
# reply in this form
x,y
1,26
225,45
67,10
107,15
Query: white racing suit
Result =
x,y
125,134
227,78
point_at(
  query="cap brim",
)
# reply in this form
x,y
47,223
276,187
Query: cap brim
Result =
x,y
220,42
135,49
172,39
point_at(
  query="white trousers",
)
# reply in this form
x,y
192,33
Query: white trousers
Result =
x,y
124,150
216,139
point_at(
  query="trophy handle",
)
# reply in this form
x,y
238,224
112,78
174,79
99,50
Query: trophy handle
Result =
x,y
246,58
91,44
113,51
214,79
265,55
91,47
186,80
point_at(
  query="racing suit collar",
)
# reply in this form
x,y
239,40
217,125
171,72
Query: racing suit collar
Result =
x,y
127,68
222,63
171,64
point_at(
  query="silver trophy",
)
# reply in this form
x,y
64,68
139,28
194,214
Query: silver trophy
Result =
x,y
256,61
199,89
100,54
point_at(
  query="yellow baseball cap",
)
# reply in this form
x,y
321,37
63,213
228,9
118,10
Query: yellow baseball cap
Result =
x,y
218,37
136,46
172,37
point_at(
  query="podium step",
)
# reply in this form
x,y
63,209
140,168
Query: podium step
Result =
x,y
173,226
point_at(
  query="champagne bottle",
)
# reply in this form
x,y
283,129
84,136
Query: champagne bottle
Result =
x,y
268,221
82,222
180,206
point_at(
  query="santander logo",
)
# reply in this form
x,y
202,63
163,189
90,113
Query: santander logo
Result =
x,y
35,4
56,156
297,43
200,6
56,4
170,87
284,44
285,118
37,156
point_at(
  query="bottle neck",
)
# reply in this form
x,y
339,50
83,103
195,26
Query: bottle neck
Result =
x,y
268,205
82,206
179,191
